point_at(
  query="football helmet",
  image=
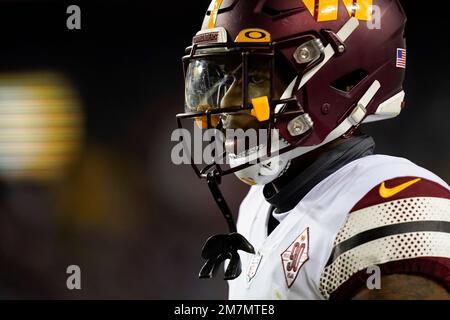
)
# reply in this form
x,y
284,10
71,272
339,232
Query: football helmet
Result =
x,y
342,64
306,72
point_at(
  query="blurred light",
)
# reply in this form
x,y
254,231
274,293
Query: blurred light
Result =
x,y
40,126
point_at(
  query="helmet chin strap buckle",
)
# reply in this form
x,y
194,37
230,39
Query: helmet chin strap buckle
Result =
x,y
222,247
359,113
336,42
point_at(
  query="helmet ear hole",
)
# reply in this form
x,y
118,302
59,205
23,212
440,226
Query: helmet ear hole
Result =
x,y
349,81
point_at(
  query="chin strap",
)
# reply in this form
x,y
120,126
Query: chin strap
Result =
x,y
214,179
221,247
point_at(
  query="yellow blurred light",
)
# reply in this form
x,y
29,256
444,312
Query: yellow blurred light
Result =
x,y
40,125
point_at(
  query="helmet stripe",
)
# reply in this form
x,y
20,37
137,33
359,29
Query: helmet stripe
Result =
x,y
213,14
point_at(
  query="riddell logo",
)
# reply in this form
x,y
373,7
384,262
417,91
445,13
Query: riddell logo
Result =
x,y
295,257
206,38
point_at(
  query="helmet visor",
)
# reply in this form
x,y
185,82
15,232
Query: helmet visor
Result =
x,y
218,82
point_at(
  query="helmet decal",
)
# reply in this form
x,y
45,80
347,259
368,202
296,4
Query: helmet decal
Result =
x,y
253,35
215,35
327,10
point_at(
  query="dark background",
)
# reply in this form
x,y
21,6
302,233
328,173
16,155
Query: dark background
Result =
x,y
130,219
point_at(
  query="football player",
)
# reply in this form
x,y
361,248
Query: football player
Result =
x,y
325,218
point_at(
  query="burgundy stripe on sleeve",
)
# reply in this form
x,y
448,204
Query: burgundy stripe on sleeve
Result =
x,y
434,268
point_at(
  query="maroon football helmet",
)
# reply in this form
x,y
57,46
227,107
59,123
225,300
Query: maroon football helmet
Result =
x,y
343,63
308,72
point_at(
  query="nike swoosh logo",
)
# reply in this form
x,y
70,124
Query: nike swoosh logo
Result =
x,y
390,192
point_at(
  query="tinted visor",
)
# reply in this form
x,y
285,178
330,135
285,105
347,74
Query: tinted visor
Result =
x,y
218,81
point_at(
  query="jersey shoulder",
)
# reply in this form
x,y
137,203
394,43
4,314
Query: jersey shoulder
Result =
x,y
401,225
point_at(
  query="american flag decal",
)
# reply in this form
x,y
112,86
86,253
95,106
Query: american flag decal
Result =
x,y
401,58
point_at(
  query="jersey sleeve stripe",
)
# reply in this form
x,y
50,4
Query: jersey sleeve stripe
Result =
x,y
381,251
433,268
394,212
390,230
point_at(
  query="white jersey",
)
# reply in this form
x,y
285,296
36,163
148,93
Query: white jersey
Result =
x,y
347,223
